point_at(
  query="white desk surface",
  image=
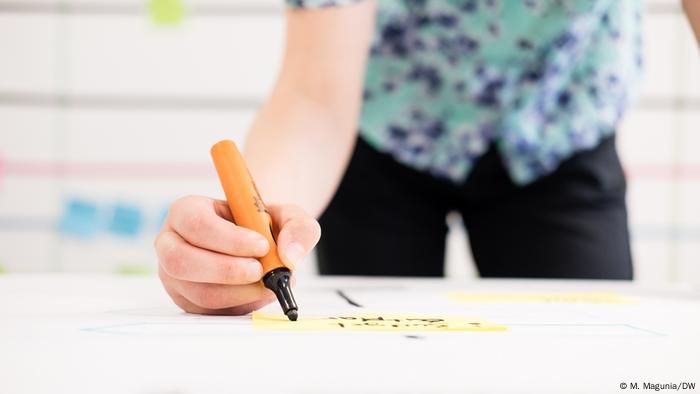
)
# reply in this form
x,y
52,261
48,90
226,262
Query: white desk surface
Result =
x,y
110,334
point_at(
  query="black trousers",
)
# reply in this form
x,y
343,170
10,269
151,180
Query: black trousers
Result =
x,y
388,219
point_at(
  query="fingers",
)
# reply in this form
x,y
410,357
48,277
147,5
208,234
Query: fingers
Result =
x,y
206,262
299,233
211,297
222,210
211,302
181,260
201,221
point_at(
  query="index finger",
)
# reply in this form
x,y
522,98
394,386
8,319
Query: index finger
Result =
x,y
199,221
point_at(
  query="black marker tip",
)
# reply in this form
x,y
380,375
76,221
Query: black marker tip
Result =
x,y
278,280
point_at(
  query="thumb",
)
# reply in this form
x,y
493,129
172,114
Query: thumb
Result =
x,y
299,233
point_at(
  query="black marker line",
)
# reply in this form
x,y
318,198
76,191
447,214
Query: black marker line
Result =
x,y
348,299
355,304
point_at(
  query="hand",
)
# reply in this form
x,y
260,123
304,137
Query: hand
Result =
x,y
208,264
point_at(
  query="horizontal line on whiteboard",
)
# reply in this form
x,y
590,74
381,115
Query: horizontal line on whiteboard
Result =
x,y
168,170
106,170
223,9
129,102
27,223
226,103
213,9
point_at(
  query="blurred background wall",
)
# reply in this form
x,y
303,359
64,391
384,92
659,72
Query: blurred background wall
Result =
x,y
108,109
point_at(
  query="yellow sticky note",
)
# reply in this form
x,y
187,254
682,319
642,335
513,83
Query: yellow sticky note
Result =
x,y
541,298
373,322
166,12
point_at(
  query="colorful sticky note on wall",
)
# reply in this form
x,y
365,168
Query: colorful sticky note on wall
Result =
x,y
133,269
126,220
2,167
541,298
80,218
370,322
166,12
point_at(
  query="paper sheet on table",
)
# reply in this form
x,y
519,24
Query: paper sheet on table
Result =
x,y
373,322
543,298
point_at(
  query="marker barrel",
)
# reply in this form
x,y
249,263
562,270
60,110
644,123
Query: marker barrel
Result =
x,y
243,199
249,211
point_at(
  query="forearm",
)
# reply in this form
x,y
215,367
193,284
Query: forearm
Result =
x,y
692,11
302,138
297,150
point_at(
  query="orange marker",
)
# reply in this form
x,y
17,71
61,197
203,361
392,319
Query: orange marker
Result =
x,y
249,211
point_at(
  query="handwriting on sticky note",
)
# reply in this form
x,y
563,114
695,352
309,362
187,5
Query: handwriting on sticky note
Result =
x,y
541,298
373,322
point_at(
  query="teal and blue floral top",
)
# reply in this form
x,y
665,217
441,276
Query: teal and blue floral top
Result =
x,y
542,79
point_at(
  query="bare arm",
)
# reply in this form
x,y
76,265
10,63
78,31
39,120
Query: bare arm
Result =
x,y
692,11
297,151
302,138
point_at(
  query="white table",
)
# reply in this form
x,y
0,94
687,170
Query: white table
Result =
x,y
109,334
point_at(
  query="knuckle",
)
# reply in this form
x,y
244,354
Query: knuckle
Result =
x,y
181,203
172,259
164,244
187,211
230,273
158,241
176,267
193,223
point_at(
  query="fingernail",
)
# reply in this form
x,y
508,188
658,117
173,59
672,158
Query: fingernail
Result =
x,y
253,270
294,253
261,247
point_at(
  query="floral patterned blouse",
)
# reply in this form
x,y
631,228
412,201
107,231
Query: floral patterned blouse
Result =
x,y
542,79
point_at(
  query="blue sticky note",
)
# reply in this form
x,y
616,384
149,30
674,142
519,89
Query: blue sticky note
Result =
x,y
80,218
126,220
